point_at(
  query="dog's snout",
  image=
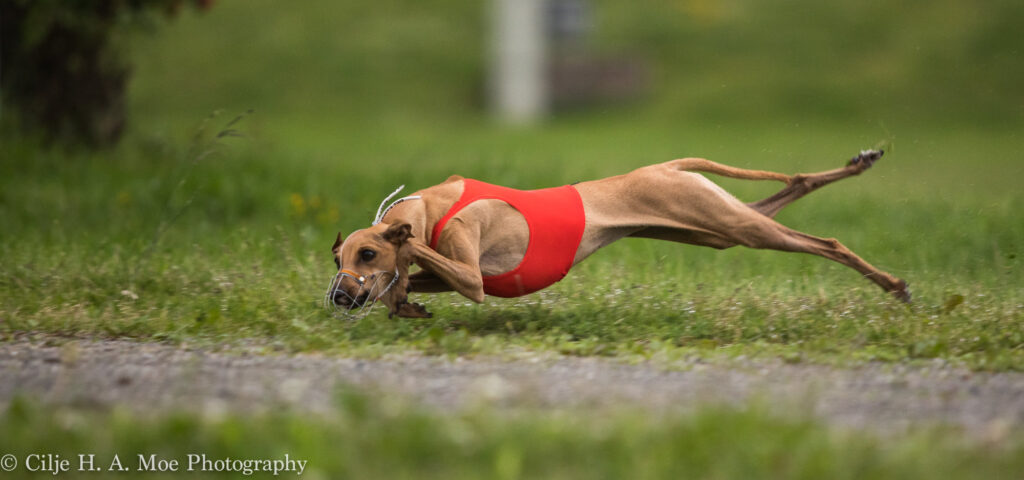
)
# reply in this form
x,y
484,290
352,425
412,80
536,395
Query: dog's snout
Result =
x,y
341,299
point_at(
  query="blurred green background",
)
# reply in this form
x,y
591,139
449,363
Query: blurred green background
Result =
x,y
326,66
345,88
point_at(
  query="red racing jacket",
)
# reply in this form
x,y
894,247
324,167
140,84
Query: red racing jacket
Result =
x,y
556,220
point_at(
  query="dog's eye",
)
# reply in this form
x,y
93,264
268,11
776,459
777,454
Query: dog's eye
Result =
x,y
367,255
337,262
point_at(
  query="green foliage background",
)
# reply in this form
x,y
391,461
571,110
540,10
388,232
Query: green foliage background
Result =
x,y
856,62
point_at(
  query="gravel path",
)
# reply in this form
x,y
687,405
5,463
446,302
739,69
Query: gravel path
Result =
x,y
151,376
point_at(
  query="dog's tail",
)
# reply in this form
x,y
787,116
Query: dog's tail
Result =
x,y
703,165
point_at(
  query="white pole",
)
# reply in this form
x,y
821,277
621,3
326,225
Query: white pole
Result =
x,y
518,65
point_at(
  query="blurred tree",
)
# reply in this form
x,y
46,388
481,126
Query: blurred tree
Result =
x,y
59,69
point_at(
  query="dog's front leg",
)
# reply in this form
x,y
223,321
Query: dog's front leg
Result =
x,y
462,273
396,297
425,281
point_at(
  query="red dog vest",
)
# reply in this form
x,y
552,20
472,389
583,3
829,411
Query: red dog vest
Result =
x,y
556,221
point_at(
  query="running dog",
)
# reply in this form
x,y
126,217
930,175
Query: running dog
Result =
x,y
480,239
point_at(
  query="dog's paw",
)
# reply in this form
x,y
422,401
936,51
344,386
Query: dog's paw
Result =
x,y
902,292
413,310
866,158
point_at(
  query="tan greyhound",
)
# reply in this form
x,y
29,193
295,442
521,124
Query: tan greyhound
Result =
x,y
479,239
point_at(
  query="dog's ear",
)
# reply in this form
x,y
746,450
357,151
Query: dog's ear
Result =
x,y
398,233
337,243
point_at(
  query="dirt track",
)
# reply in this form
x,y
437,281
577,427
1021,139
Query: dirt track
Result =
x,y
885,398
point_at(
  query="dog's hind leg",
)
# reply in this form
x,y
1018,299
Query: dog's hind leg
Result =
x,y
669,202
757,231
802,184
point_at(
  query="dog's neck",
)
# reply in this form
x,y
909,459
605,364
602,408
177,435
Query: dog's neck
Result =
x,y
424,212
413,212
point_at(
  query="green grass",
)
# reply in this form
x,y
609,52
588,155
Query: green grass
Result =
x,y
247,260
365,437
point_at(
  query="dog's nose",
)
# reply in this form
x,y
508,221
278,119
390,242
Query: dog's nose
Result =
x,y
342,300
345,300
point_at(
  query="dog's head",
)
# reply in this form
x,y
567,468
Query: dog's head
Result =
x,y
371,266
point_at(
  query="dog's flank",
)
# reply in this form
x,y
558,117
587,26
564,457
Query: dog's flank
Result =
x,y
488,235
